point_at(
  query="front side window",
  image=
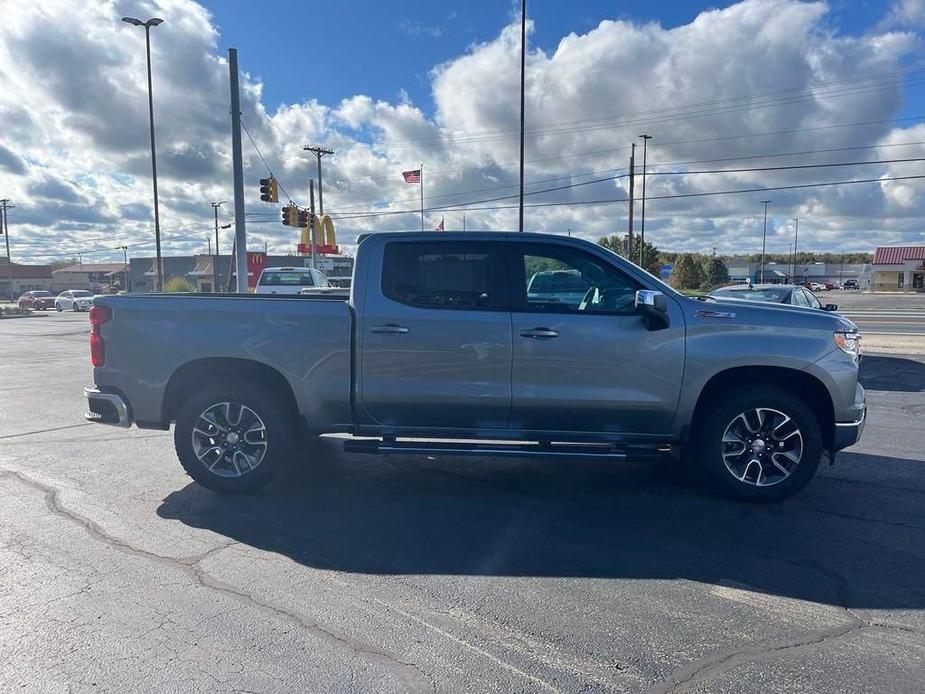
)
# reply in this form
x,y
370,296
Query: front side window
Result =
x,y
560,279
442,275
799,298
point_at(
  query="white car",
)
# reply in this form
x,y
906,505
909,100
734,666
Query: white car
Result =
x,y
74,299
289,280
816,287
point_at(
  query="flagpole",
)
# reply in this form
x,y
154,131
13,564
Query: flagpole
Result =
x,y
422,197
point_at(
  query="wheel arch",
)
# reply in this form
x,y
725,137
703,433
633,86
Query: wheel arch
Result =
x,y
799,383
199,372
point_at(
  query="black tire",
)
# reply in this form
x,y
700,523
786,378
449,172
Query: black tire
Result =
x,y
74,307
708,443
278,423
58,307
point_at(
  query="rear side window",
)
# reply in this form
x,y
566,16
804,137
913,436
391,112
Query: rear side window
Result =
x,y
461,276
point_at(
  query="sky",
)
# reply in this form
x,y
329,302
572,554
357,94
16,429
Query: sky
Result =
x,y
723,88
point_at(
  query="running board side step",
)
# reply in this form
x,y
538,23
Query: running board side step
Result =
x,y
518,449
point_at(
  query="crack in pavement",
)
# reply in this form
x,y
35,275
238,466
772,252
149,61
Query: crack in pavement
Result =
x,y
409,674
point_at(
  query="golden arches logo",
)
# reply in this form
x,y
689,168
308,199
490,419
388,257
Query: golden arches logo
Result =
x,y
324,233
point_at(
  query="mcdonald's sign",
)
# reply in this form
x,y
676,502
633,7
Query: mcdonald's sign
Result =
x,y
325,241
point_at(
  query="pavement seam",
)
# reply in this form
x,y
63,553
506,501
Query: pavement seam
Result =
x,y
409,674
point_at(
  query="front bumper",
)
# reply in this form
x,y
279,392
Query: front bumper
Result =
x,y
107,408
848,433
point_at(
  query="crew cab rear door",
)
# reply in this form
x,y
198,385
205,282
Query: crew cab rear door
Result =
x,y
434,336
588,365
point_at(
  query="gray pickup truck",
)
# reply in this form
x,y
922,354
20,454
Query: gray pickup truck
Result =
x,y
442,348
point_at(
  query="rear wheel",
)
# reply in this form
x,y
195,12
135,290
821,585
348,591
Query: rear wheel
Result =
x,y
58,307
759,444
233,438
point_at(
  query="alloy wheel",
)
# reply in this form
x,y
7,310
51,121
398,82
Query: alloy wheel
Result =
x,y
230,439
762,446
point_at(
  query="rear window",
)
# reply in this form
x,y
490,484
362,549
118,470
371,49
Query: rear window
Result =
x,y
41,293
440,275
557,282
286,279
81,293
768,295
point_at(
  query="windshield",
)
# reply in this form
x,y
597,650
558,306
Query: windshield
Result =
x,y
81,292
289,278
41,293
770,295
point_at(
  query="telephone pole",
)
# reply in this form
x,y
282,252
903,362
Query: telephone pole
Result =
x,y
642,231
124,250
629,250
764,236
319,152
215,206
5,229
311,219
237,159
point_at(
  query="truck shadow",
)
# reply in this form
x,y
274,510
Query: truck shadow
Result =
x,y
892,373
842,541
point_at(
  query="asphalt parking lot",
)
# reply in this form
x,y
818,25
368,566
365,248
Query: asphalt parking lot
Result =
x,y
404,574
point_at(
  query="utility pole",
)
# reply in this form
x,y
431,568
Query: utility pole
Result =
x,y
764,236
790,268
240,235
319,152
124,250
215,206
796,233
311,217
642,231
523,64
5,229
629,250
464,221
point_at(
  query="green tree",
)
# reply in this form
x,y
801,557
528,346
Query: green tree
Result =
x,y
687,273
717,274
178,284
614,242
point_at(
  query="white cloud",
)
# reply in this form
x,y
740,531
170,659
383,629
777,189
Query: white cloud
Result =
x,y
74,147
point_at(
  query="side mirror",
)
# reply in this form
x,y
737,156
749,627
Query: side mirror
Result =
x,y
653,306
831,307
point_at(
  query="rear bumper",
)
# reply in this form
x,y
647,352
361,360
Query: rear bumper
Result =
x,y
107,408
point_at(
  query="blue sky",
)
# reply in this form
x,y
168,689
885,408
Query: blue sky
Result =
x,y
381,48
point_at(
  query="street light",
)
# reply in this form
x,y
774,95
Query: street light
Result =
x,y
124,250
153,22
764,236
642,231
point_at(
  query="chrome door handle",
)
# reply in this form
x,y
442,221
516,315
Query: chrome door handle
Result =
x,y
390,329
539,333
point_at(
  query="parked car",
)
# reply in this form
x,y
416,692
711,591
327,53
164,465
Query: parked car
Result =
x,y
817,287
556,286
74,300
829,286
792,294
440,349
37,300
851,284
289,280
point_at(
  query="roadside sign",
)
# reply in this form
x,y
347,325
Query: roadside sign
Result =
x,y
664,271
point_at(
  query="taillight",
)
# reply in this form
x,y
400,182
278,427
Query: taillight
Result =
x,y
98,316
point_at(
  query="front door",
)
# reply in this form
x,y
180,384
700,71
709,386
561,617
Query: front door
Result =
x,y
583,358
435,337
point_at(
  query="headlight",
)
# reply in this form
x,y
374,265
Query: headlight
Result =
x,y
848,341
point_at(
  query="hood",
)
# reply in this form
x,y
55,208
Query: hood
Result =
x,y
760,313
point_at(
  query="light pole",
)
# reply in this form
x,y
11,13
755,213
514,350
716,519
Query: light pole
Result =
x,y
523,64
796,233
642,230
153,22
764,237
790,262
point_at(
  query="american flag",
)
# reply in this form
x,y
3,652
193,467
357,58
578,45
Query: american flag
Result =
x,y
412,176
440,226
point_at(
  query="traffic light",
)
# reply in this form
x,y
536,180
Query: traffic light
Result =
x,y
290,216
304,219
268,192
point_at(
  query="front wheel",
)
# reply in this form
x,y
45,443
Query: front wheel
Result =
x,y
58,307
233,438
760,443
74,307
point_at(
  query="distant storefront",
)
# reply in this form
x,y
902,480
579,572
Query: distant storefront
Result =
x,y
899,269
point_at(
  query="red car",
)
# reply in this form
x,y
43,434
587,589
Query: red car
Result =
x,y
38,300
